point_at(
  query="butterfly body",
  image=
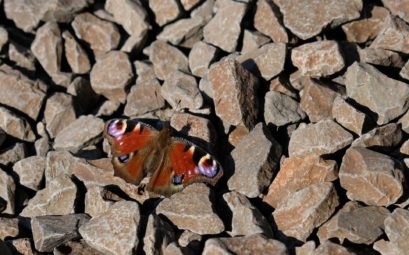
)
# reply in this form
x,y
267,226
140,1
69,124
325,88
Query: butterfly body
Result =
x,y
139,150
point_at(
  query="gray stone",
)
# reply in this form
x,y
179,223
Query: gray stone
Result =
x,y
13,153
9,227
200,58
7,192
384,137
280,109
76,56
267,20
15,125
252,40
59,110
4,37
393,36
30,171
165,10
181,30
23,57
348,116
158,235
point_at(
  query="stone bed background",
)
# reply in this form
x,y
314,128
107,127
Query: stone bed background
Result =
x,y
305,104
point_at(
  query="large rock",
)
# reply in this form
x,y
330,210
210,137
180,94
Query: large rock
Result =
x,y
182,31
165,10
280,109
398,8
144,96
394,35
381,138
200,58
59,110
30,171
7,193
9,227
15,125
76,56
267,20
348,116
158,235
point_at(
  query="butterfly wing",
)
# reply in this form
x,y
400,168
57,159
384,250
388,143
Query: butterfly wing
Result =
x,y
129,140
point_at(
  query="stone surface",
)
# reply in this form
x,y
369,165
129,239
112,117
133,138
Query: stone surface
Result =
x,y
280,84
317,59
15,126
393,36
384,137
194,126
348,116
256,244
234,93
267,61
237,135
306,209
76,56
189,4
192,209
22,56
76,248
13,153
330,248
268,20
280,109
181,31
23,246
404,72
166,59
30,171
229,15
359,224
371,177
306,19
181,91
382,57
51,231
204,11
108,108
385,97
246,219
188,237
158,235
165,10
9,227
255,159
324,137
84,131
253,40
101,35
96,202
57,198
59,110
297,173
116,239
404,122
4,37
200,58
7,192
398,8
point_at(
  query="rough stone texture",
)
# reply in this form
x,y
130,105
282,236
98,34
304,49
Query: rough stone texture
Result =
x,y
111,75
255,159
397,230
102,35
95,202
256,244
82,132
204,11
76,56
7,192
229,16
9,227
158,235
267,20
268,60
51,231
4,37
22,246
195,127
297,173
189,4
76,248
307,18
386,97
30,171
348,116
166,59
57,198
404,122
393,36
404,72
21,56
246,219
165,10
280,109
321,138
382,57
234,89
13,153
317,100
192,209
384,137
108,108
187,237
371,177
359,224
317,59
281,85
59,110
200,58
115,238
20,92
15,125
181,30
306,209
329,248
253,40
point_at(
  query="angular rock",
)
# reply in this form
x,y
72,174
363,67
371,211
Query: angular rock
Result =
x,y
95,202
267,20
234,93
76,56
307,18
193,210
281,110
13,153
15,125
116,239
246,219
200,58
204,11
165,10
181,30
158,235
359,224
194,126
25,14
30,171
252,40
51,231
107,108
384,137
181,91
102,35
255,161
329,248
404,72
59,110
324,137
189,4
76,247
82,132
229,15
42,146
404,149
382,57
144,70
237,135
348,116
404,122
280,84
371,177
9,227
306,209
166,59
22,56
384,96
22,246
318,59
188,237
256,244
7,192
4,37
393,36
268,60
57,198
297,173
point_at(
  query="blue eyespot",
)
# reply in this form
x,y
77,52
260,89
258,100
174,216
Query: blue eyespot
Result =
x,y
123,158
177,179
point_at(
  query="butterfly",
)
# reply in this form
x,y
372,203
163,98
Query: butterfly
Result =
x,y
139,150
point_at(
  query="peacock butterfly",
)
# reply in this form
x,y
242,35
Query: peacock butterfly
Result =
x,y
139,150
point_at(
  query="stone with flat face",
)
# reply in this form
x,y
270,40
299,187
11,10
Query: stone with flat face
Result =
x,y
165,10
267,21
393,36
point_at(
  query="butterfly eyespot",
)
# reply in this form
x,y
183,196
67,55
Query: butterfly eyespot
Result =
x,y
177,179
116,128
123,158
